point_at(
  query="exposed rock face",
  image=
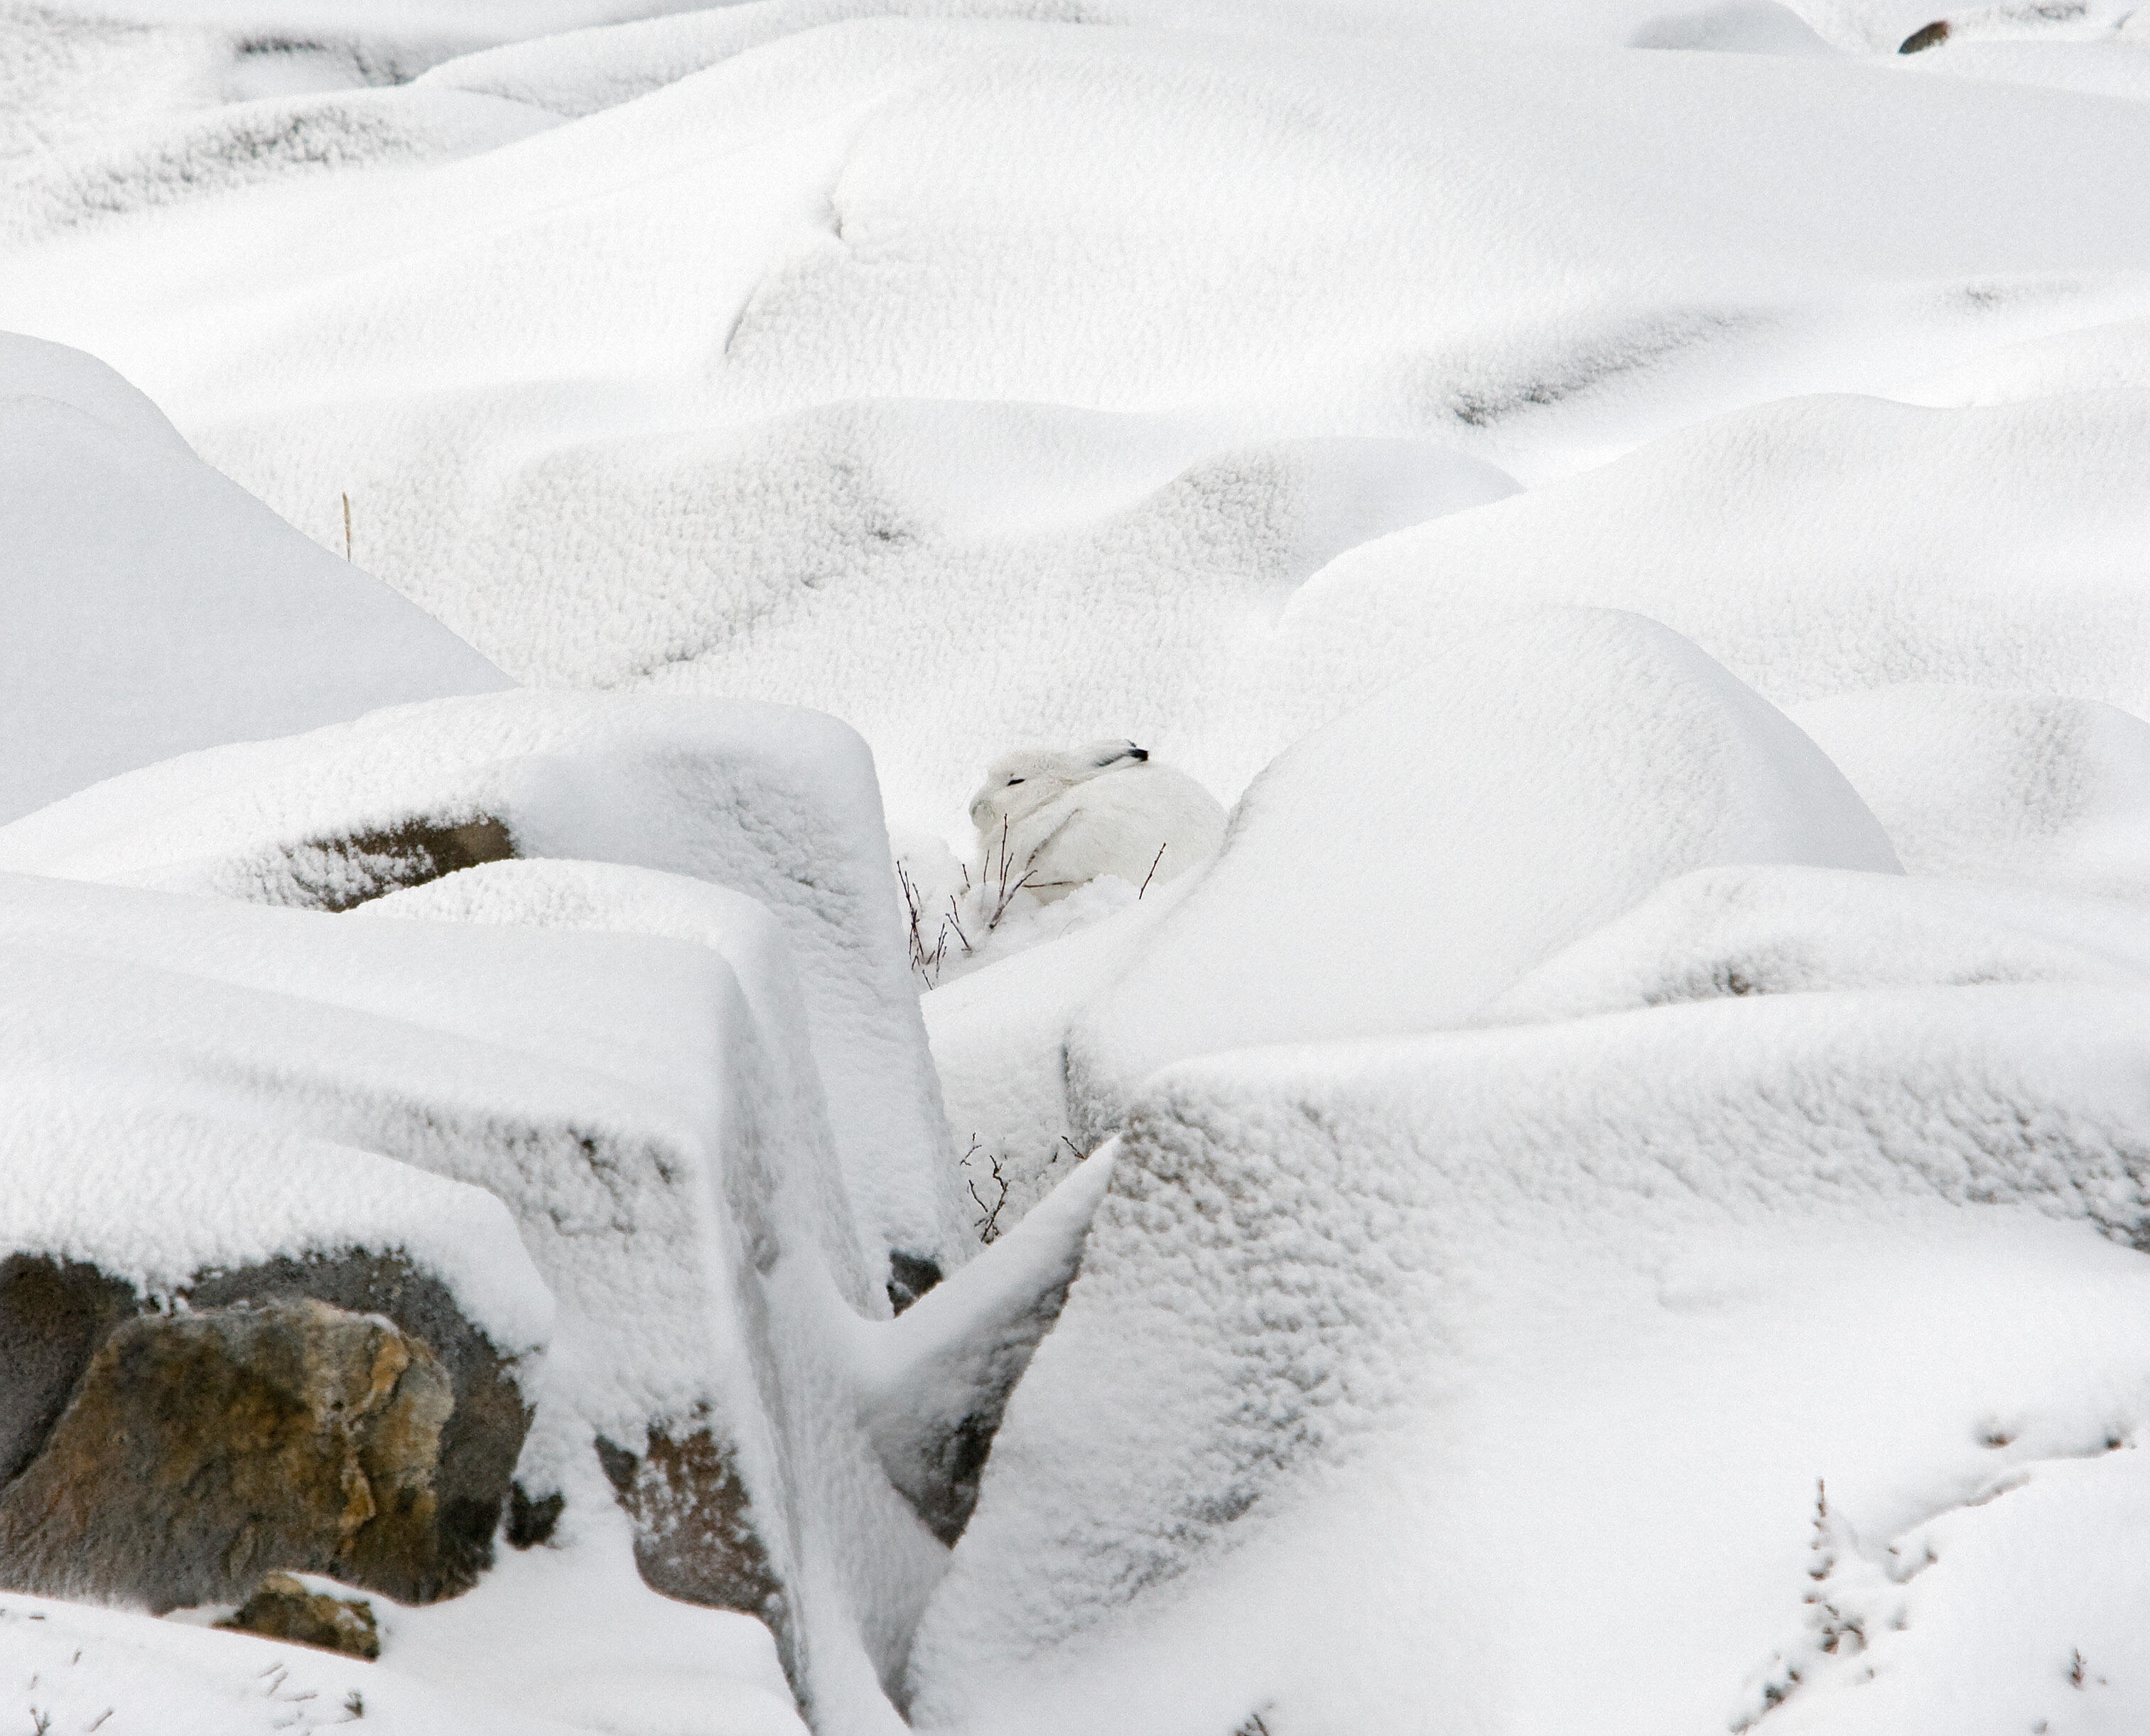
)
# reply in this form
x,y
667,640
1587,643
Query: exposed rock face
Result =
x,y
283,1609
483,1437
202,1449
174,1459
909,1276
339,874
53,1315
695,1531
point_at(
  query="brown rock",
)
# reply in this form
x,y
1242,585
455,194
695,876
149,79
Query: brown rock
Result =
x,y
201,1450
483,1437
694,1533
283,1609
339,874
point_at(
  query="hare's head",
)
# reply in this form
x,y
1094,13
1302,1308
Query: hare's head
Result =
x,y
1019,783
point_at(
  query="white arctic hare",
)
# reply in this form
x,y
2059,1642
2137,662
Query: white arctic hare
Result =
x,y
1062,816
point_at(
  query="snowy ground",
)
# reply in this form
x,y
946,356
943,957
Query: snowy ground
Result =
x,y
1641,505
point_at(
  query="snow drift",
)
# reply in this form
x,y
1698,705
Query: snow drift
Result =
x,y
1410,861
773,802
151,607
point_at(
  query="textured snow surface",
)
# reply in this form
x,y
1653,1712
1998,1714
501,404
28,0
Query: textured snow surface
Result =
x,y
2041,790
791,1119
772,801
151,607
1795,931
1402,1364
1621,1184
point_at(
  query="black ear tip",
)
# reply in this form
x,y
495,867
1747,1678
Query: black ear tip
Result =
x,y
1138,753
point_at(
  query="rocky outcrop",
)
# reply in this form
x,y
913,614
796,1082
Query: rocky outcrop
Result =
x,y
333,1416
482,1435
283,1609
696,1532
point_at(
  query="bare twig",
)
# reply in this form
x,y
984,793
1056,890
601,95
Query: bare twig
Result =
x,y
925,962
346,526
1004,866
988,1225
1152,874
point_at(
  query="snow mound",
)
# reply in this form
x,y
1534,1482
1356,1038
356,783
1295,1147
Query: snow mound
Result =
x,y
1410,861
2036,788
1873,543
777,803
1398,1363
227,148
150,607
930,348
1733,27
612,899
221,1194
1799,930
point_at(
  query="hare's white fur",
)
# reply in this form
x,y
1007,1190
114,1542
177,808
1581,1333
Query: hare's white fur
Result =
x,y
1062,816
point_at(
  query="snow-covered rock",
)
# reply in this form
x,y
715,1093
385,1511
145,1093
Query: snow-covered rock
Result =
x,y
606,1088
148,606
788,1132
774,802
1397,870
1394,1366
1814,546
222,1194
933,1394
1797,930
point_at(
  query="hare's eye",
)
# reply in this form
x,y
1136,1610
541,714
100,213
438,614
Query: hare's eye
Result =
x,y
1012,782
